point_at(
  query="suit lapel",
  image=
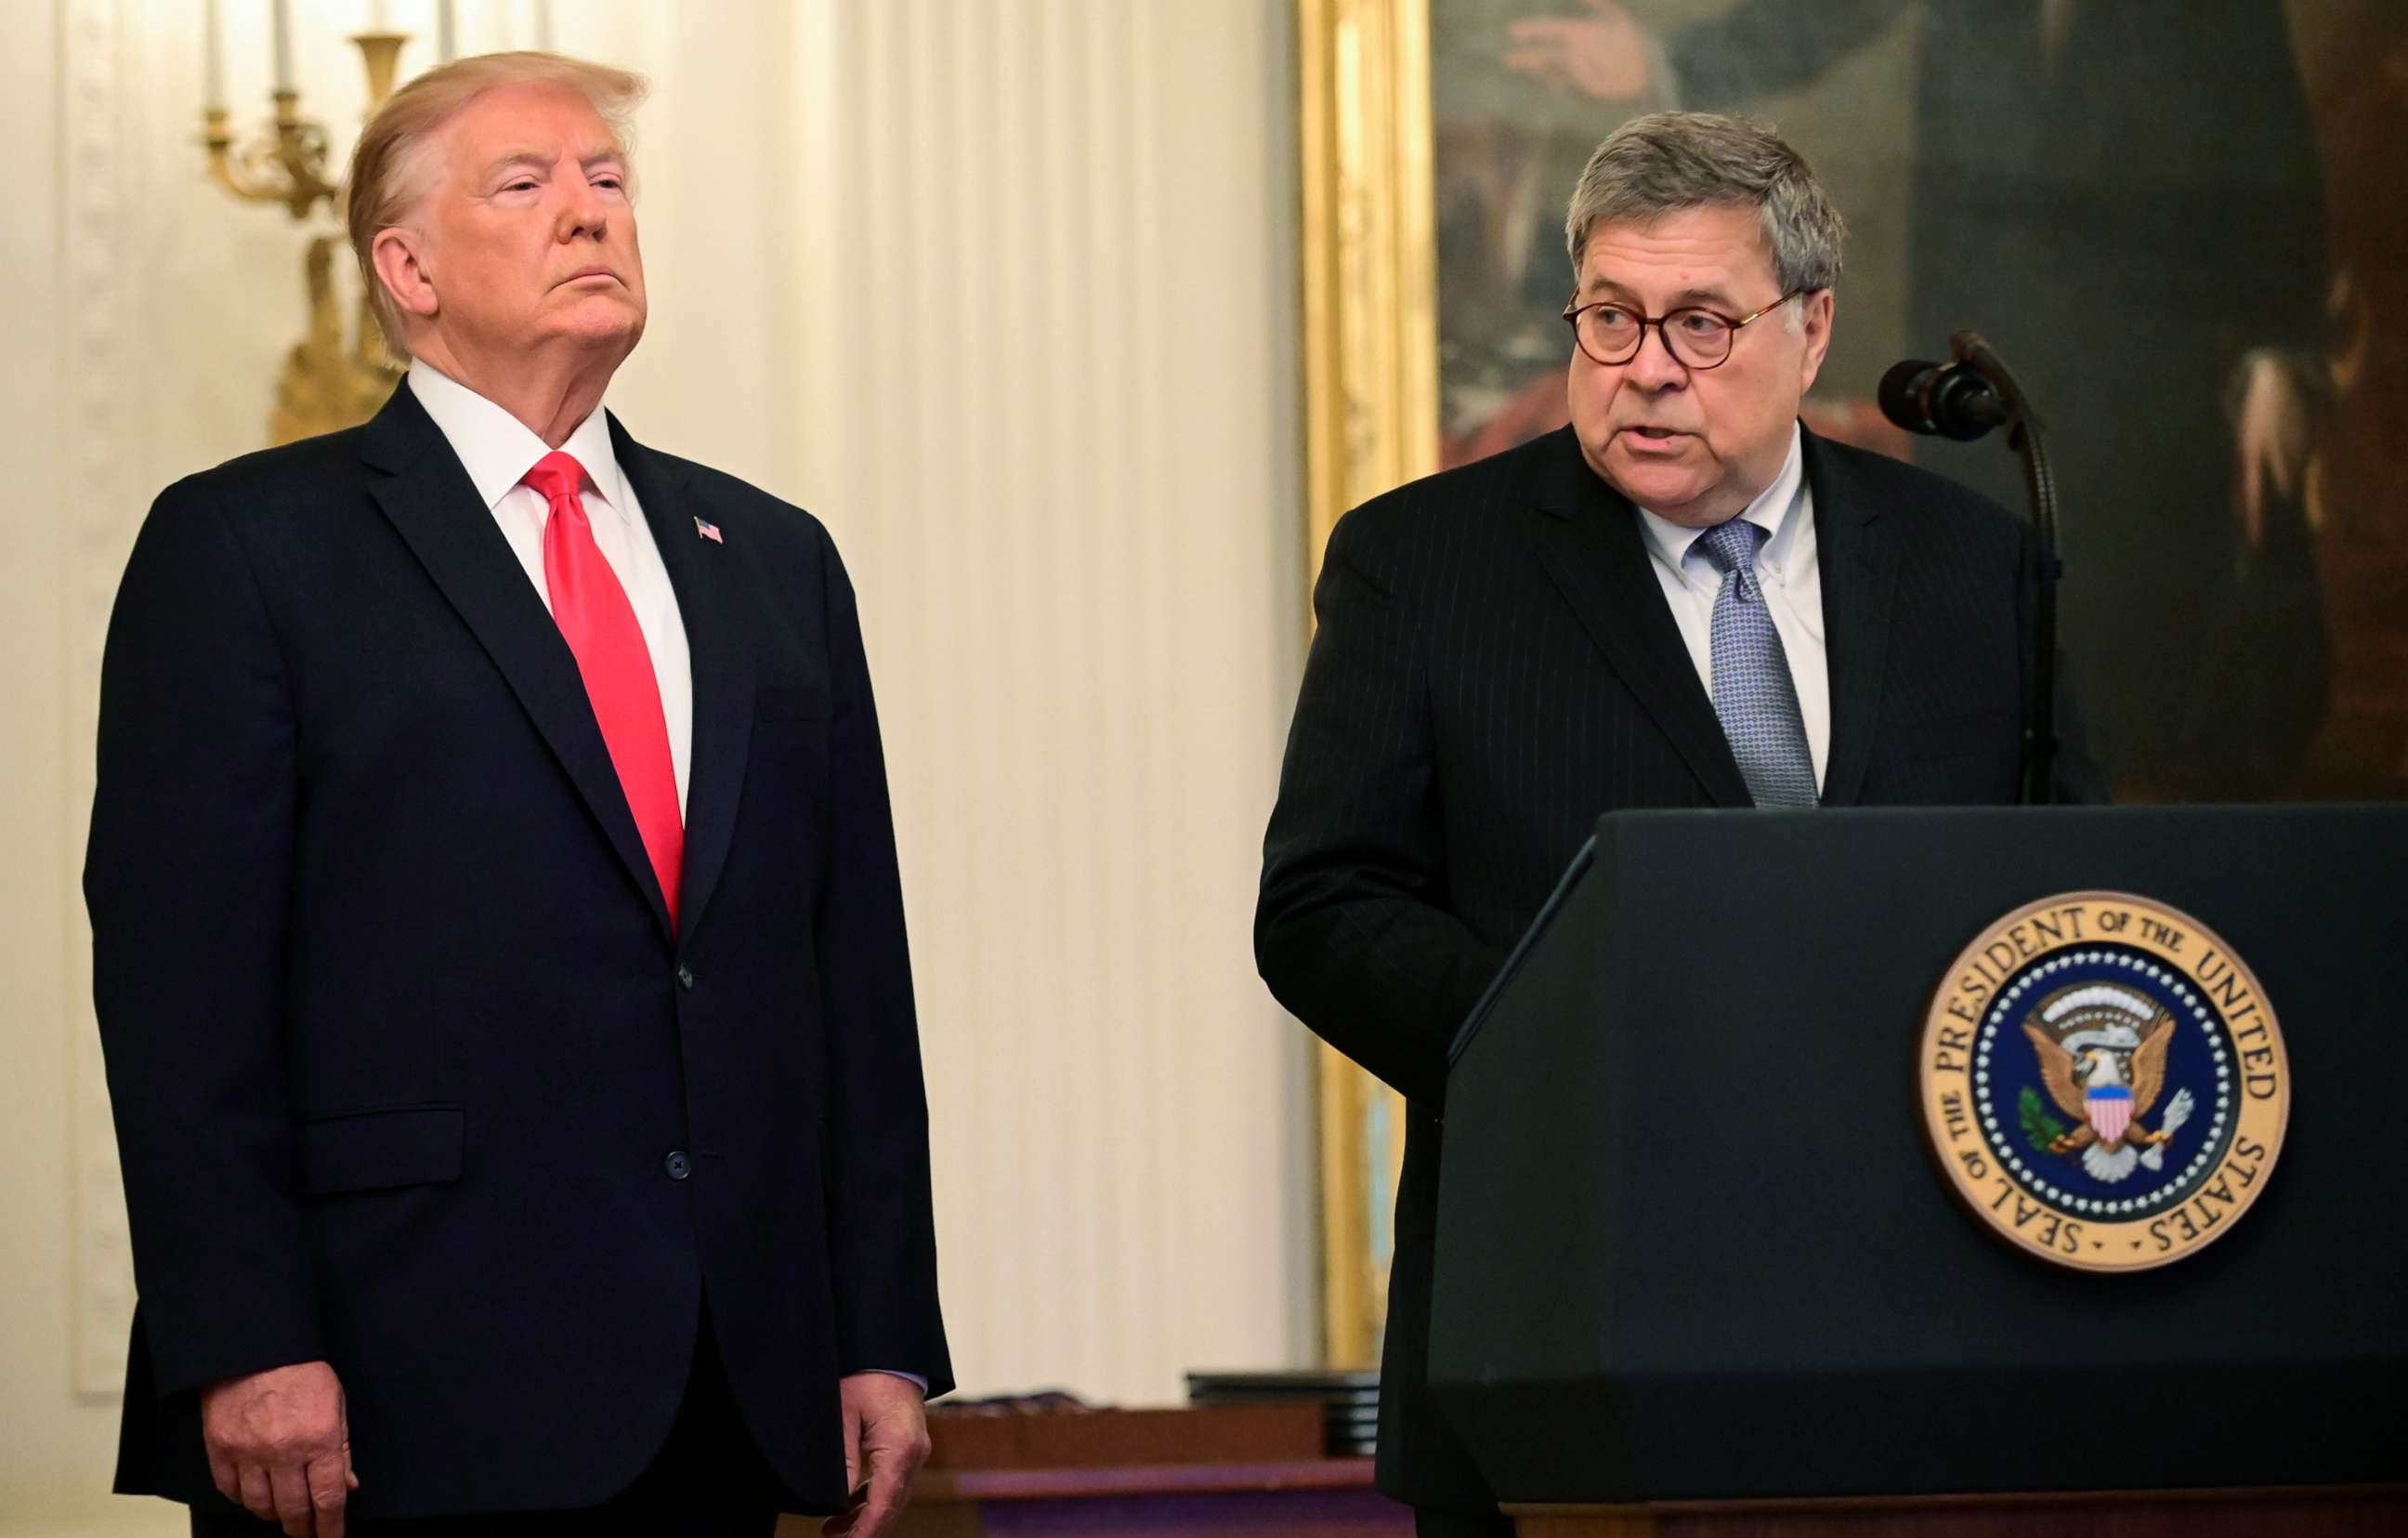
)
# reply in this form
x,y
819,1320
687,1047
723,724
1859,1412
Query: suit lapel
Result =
x,y
1591,546
429,499
703,575
1858,555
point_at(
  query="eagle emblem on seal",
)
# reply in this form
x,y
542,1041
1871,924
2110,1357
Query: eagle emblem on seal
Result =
x,y
2102,1057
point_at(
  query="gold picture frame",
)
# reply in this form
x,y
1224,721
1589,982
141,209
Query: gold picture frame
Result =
x,y
1370,376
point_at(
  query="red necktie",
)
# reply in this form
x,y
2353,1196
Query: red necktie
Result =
x,y
594,615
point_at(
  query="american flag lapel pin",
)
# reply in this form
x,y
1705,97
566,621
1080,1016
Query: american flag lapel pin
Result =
x,y
708,531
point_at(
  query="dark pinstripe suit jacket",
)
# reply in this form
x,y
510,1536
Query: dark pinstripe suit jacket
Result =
x,y
1496,667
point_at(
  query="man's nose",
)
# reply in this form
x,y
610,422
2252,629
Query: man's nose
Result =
x,y
582,213
1654,367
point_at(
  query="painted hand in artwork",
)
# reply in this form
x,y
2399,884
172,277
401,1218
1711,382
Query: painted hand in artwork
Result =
x,y
1601,56
2273,440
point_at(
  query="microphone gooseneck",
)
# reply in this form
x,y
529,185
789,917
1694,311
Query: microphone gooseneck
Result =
x,y
1963,399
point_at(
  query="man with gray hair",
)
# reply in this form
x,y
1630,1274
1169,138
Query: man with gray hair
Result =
x,y
1682,599
497,943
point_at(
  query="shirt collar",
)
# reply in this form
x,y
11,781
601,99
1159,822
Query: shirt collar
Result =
x,y
1771,512
497,450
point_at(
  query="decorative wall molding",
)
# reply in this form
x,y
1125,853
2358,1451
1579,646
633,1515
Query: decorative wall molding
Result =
x,y
1066,493
103,299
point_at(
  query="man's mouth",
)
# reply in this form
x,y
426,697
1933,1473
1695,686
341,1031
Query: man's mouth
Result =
x,y
1649,434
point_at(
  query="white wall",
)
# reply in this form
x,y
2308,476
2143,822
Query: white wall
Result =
x,y
1003,289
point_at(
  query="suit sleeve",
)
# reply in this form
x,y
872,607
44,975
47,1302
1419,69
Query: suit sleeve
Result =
x,y
187,881
881,1221
2250,108
1350,929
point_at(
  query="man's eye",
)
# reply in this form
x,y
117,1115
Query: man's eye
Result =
x,y
610,182
522,185
1697,322
1610,318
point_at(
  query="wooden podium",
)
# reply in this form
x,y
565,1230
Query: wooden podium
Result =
x,y
2338,1512
1204,1472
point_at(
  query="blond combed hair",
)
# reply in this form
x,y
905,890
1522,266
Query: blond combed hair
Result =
x,y
390,166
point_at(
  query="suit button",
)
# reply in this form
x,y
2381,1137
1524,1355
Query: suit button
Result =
x,y
684,976
678,1164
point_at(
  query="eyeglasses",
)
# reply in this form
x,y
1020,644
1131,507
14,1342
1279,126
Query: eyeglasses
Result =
x,y
1612,332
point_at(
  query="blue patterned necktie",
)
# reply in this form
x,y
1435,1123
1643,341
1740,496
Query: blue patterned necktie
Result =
x,y
1754,693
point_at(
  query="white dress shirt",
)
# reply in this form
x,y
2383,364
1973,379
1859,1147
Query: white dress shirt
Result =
x,y
1792,580
498,450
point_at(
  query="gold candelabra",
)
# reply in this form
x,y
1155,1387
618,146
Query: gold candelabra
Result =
x,y
328,381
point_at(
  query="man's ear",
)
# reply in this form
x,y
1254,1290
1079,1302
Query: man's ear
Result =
x,y
400,254
1815,325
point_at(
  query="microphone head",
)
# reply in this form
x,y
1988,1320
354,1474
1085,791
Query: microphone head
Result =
x,y
1904,395
1950,400
1962,404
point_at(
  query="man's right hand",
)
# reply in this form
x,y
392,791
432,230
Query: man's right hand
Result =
x,y
279,1446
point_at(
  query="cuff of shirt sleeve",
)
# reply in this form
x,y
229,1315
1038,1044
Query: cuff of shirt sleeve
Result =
x,y
914,1379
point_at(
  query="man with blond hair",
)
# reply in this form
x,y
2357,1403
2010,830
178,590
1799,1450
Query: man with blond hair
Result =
x,y
498,948
1684,598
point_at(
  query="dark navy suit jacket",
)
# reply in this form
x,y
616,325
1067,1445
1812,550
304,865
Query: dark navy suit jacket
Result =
x,y
1495,668
412,1073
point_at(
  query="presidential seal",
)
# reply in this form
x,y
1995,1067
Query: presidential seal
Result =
x,y
2104,1081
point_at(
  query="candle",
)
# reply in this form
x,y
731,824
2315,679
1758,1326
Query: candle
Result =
x,y
283,45
543,24
447,41
212,58
376,16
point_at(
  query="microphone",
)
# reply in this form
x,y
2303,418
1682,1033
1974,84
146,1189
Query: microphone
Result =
x,y
1949,400
1963,400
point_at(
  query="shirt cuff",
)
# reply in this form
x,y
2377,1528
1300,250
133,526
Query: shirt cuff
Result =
x,y
914,1379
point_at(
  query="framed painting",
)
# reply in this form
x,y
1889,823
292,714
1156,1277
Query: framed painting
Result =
x,y
2179,221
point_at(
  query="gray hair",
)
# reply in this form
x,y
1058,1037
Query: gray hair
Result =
x,y
1667,161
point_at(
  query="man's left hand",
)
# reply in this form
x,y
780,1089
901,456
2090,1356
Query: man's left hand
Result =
x,y
885,1441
